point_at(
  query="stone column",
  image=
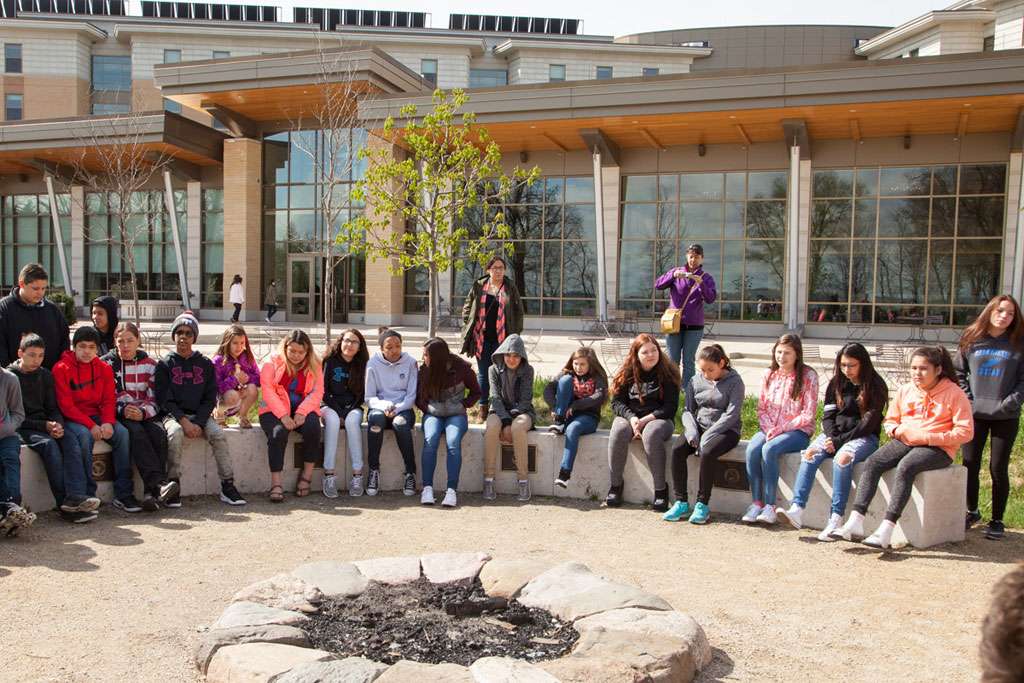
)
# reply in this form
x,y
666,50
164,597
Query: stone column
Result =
x,y
384,291
610,180
1013,234
243,220
78,260
193,241
797,236
803,241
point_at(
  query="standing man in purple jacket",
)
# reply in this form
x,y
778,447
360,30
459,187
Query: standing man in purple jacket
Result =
x,y
689,288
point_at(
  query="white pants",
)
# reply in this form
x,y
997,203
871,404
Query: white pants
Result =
x,y
353,434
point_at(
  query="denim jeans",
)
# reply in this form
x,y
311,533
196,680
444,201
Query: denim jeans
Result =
x,y
402,424
454,427
842,475
10,469
577,426
353,423
763,462
119,444
483,364
682,349
66,470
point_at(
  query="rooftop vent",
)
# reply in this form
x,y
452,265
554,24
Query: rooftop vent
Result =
x,y
205,10
330,19
509,24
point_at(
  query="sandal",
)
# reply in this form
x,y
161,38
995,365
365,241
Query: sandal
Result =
x,y
243,423
276,494
302,487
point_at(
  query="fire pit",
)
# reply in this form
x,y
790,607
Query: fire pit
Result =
x,y
449,617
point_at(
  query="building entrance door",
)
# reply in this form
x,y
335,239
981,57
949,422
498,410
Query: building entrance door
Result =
x,y
300,287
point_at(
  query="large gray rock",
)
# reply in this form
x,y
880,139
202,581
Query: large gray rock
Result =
x,y
348,670
503,578
334,579
448,567
603,656
405,671
258,662
283,591
390,570
571,591
211,641
508,670
673,625
255,614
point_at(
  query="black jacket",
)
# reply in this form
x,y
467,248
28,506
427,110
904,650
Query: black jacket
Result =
x,y
45,319
661,401
514,313
186,386
109,304
338,396
39,397
847,423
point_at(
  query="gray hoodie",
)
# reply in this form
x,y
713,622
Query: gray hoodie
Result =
x,y
713,407
511,390
391,385
12,412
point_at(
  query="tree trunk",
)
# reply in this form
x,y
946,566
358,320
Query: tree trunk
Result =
x,y
328,295
433,303
127,248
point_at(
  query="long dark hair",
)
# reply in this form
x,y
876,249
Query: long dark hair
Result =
x,y
629,373
939,357
793,342
236,279
873,390
441,357
357,367
594,365
979,328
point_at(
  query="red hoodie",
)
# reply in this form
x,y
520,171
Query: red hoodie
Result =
x,y
85,390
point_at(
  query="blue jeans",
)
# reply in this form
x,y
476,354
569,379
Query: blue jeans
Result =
x,y
454,427
577,426
119,444
483,364
842,475
683,344
763,462
10,469
65,469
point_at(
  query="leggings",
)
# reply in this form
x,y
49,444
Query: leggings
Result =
x,y
709,452
654,436
908,461
277,439
1004,432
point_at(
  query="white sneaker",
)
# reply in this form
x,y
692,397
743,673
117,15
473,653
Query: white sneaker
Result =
x,y
330,486
827,534
450,499
750,516
854,527
355,487
427,497
768,515
793,516
882,538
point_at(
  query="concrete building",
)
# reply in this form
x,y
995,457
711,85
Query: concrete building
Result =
x,y
834,187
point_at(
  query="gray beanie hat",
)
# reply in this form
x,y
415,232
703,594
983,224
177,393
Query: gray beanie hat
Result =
x,y
188,319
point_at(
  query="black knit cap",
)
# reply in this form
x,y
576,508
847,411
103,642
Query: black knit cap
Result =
x,y
86,333
385,334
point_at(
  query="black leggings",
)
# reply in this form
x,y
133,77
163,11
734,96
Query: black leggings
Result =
x,y
1004,432
277,439
149,452
908,461
238,310
709,453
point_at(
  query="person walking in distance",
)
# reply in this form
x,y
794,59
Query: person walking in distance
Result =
x,y
236,295
271,300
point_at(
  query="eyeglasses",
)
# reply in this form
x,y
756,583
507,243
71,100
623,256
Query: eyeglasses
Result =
x,y
349,340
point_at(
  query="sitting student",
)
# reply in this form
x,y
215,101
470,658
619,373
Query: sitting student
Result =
x,y
786,413
186,391
576,398
293,387
511,415
645,398
86,397
928,420
447,386
344,375
12,516
711,427
104,319
1002,632
850,427
238,376
135,384
68,467
391,378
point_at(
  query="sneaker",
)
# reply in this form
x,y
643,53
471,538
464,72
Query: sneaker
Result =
x,y
750,516
793,516
168,494
854,527
355,487
450,499
524,490
701,514
127,504
614,497
373,485
660,503
563,478
75,504
768,515
973,517
827,534
994,531
149,503
427,497
79,517
15,518
409,488
330,486
489,493
174,500
882,538
679,509
557,428
229,494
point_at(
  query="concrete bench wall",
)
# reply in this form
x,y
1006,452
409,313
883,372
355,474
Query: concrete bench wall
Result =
x,y
934,514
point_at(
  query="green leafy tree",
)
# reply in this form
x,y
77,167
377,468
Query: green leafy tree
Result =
x,y
452,168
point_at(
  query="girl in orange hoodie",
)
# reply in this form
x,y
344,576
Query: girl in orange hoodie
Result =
x,y
293,387
928,420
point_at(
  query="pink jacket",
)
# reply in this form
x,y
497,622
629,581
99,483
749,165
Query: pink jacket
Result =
x,y
778,412
275,397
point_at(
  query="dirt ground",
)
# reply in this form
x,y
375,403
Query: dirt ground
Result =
x,y
123,599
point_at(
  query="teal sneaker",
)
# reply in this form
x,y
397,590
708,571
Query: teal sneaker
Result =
x,y
678,510
700,514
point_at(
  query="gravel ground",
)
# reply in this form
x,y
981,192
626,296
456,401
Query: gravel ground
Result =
x,y
122,599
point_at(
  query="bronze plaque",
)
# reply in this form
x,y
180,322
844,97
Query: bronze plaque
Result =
x,y
732,474
508,458
103,466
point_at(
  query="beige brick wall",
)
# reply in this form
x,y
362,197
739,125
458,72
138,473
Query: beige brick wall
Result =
x,y
47,97
243,166
1009,28
384,291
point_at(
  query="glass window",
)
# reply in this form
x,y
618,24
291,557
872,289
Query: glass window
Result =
x,y
172,106
487,78
111,73
110,108
650,71
12,58
27,235
212,294
172,56
428,69
221,54
988,43
13,107
556,72
604,73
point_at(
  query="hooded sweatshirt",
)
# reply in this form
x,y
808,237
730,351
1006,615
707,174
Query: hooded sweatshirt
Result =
x,y
186,387
713,407
453,399
12,413
338,394
992,376
511,390
224,369
940,417
589,392
85,390
44,318
134,382
391,385
648,397
38,397
285,395
108,304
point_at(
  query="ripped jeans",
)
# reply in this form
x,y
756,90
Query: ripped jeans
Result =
x,y
842,475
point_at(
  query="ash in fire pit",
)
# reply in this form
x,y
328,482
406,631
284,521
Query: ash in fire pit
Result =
x,y
433,623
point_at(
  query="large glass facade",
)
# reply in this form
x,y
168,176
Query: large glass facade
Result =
x,y
27,236
740,220
212,294
905,246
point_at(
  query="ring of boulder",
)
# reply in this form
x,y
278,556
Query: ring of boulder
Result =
x,y
626,634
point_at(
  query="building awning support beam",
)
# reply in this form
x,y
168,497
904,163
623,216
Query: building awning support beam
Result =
x,y
602,282
594,138
796,134
178,253
1017,140
238,125
58,237
183,170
